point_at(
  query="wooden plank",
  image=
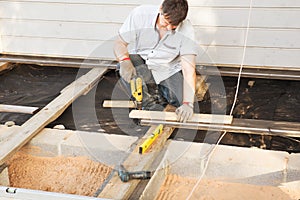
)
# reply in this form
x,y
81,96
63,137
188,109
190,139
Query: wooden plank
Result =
x,y
4,177
154,185
50,112
136,162
171,116
118,104
4,65
17,109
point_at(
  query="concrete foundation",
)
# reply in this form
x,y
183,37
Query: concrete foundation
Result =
x,y
247,167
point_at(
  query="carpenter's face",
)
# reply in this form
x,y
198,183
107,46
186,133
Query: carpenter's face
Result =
x,y
164,22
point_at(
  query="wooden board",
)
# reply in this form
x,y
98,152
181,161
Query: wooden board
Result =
x,y
17,109
136,162
4,66
9,145
171,116
118,104
4,176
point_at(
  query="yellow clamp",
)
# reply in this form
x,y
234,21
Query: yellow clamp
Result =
x,y
148,142
136,86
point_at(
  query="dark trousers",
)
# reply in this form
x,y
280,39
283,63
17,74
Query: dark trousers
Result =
x,y
155,97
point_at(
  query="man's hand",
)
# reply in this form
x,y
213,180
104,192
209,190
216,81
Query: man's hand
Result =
x,y
184,112
127,70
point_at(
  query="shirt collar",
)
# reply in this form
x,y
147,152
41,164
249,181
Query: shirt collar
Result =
x,y
155,18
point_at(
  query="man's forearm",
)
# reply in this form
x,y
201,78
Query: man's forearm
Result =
x,y
189,88
120,49
189,75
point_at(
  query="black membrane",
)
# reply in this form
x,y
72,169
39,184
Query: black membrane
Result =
x,y
262,99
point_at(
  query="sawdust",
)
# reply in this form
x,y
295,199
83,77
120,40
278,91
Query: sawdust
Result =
x,y
177,187
72,175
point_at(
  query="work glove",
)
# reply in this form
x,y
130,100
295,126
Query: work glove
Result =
x,y
127,70
184,112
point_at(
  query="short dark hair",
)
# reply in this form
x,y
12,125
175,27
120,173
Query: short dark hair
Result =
x,y
175,10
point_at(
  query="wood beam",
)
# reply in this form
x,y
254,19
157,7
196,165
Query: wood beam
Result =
x,y
49,113
17,109
4,177
118,104
4,66
171,116
116,189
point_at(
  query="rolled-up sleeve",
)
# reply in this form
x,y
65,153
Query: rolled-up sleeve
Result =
x,y
188,42
128,30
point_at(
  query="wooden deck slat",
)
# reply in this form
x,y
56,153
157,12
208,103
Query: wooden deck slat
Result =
x,y
4,66
136,162
53,110
17,109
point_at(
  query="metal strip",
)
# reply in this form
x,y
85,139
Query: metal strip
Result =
x,y
253,128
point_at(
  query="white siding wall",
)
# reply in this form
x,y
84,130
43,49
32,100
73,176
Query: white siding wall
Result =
x,y
81,28
1,27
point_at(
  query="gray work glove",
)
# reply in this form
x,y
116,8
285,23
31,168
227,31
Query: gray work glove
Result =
x,y
127,70
184,112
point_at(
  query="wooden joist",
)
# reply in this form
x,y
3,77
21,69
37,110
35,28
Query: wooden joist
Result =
x,y
4,66
118,104
17,109
171,116
116,189
11,144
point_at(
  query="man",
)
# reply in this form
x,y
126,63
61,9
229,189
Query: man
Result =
x,y
162,52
